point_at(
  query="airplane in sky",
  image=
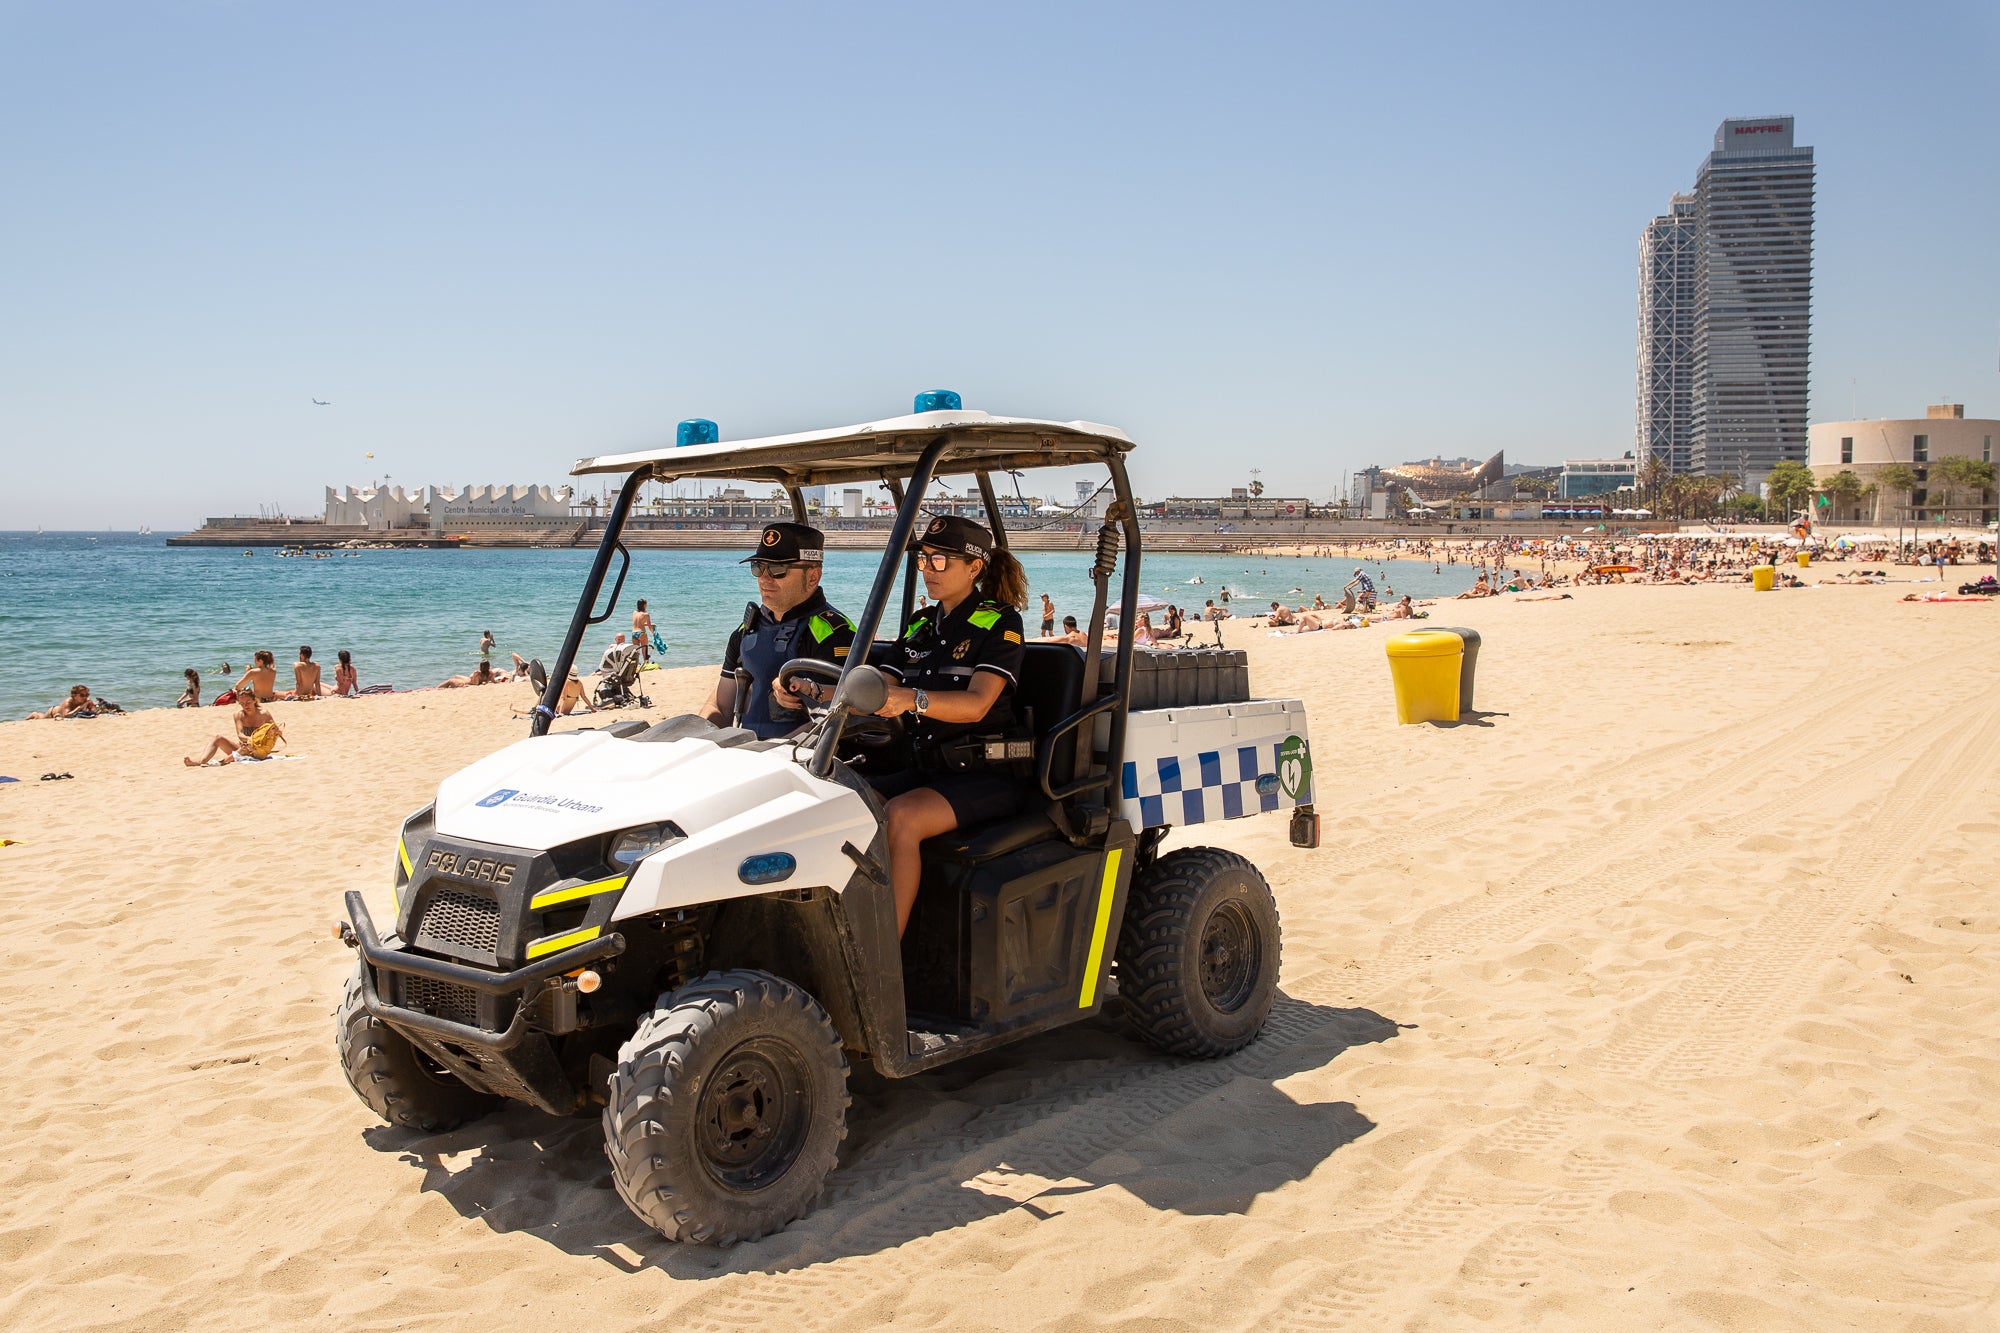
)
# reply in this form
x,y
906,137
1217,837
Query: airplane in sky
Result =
x,y
318,403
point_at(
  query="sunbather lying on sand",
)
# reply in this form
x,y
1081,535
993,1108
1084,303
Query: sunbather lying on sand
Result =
x,y
79,704
481,675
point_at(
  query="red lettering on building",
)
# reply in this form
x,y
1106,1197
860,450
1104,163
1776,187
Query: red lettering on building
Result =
x,y
1760,129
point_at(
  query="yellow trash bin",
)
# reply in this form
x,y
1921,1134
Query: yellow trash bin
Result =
x,y
1425,669
1763,577
1805,558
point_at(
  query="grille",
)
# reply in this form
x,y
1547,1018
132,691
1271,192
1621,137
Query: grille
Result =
x,y
460,919
441,999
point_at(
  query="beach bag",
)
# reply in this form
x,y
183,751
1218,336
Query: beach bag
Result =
x,y
226,697
262,741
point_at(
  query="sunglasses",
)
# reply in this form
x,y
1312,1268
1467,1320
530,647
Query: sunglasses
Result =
x,y
936,561
774,569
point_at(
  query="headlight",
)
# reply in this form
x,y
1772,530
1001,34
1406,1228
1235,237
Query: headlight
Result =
x,y
636,844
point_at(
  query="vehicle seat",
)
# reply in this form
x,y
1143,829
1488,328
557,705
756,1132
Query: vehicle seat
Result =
x,y
1050,689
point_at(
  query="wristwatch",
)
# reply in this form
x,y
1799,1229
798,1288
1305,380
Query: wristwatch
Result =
x,y
922,704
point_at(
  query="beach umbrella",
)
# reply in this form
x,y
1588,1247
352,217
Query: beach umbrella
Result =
x,y
1147,602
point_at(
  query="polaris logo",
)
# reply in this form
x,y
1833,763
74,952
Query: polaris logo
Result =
x,y
500,797
471,867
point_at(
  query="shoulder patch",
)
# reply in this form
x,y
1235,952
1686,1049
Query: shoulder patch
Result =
x,y
821,627
984,618
1011,637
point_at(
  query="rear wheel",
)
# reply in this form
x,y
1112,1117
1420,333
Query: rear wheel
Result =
x,y
399,1082
727,1109
1198,953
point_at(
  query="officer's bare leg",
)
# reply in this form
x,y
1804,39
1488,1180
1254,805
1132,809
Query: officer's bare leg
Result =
x,y
913,816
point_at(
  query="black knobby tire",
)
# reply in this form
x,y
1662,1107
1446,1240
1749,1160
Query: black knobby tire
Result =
x,y
1198,953
400,1083
727,1109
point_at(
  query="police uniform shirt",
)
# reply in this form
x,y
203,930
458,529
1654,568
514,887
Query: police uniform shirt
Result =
x,y
941,655
763,643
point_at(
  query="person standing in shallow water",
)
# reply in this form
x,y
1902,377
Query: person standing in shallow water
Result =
x,y
642,630
1048,616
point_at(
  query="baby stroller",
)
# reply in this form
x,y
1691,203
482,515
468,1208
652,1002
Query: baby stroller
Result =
x,y
618,683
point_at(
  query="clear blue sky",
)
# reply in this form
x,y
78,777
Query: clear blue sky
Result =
x,y
1303,238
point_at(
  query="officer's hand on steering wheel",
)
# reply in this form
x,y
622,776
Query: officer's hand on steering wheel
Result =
x,y
899,702
800,693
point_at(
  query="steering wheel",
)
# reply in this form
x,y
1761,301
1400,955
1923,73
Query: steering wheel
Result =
x,y
861,728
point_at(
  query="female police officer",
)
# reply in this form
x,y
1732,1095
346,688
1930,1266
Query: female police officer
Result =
x,y
957,669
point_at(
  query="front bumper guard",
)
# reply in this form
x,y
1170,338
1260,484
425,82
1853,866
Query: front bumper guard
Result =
x,y
521,981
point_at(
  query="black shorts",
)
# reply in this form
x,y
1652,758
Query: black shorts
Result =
x,y
975,797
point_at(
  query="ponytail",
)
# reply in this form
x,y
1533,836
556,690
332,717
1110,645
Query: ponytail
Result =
x,y
1003,580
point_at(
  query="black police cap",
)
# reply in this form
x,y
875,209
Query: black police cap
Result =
x,y
789,541
949,532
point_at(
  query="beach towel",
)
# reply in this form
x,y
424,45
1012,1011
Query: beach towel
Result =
x,y
659,644
377,689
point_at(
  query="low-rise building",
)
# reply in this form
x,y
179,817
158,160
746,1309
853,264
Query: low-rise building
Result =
x,y
1583,477
1869,449
376,508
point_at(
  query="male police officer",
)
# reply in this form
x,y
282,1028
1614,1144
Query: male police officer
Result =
x,y
790,619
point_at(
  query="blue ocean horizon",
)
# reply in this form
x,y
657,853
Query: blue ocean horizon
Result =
x,y
125,613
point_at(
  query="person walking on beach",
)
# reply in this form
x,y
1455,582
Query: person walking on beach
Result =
x,y
257,734
1048,616
791,618
642,631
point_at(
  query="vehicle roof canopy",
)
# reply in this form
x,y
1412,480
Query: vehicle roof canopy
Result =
x,y
879,450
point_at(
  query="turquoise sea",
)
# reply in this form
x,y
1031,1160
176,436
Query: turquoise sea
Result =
x,y
124,613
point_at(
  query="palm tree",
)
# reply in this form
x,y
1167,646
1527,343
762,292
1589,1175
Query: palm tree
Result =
x,y
1959,472
1895,477
1652,476
1843,488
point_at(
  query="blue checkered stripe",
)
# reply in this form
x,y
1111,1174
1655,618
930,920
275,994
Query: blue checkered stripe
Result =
x,y
1223,786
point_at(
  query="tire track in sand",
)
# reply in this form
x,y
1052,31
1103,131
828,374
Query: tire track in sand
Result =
x,y
1694,1031
918,1189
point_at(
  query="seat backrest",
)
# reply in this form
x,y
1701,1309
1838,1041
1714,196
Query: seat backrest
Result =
x,y
1050,689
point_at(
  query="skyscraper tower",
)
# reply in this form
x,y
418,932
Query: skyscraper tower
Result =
x,y
1666,337
1753,299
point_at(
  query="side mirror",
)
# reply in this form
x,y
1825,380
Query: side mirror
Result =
x,y
863,690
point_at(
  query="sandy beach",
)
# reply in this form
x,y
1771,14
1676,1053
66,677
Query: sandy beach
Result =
x,y
1662,996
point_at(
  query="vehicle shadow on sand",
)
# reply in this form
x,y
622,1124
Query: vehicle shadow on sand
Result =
x,y
1026,1127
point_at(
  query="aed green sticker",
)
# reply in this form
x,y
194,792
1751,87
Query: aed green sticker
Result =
x,y
1295,766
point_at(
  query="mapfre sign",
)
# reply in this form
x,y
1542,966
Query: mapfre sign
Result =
x,y
1760,129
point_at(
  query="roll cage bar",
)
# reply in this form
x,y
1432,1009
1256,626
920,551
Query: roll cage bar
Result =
x,y
908,486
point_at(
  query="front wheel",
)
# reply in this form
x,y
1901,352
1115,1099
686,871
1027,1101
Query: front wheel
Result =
x,y
399,1082
727,1109
1198,953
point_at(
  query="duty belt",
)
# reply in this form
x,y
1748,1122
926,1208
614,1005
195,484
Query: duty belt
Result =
x,y
966,753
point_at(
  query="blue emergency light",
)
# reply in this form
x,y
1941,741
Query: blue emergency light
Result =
x,y
938,400
695,431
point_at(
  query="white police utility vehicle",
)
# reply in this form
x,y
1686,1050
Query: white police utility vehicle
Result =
x,y
690,930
